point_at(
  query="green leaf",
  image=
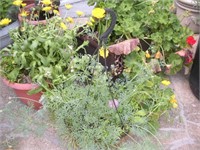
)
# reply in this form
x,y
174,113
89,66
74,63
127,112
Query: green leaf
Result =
x,y
176,61
34,91
13,74
34,45
23,60
42,59
141,113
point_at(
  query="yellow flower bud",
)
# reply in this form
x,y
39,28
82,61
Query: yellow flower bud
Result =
x,y
63,26
102,52
166,82
47,8
147,54
70,20
68,6
79,13
46,2
174,105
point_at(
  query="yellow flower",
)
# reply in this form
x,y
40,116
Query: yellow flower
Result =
x,y
68,6
17,2
151,11
174,105
79,13
166,82
24,13
63,26
147,54
23,4
92,19
56,12
46,2
98,13
5,21
173,101
89,23
47,8
102,52
173,97
70,20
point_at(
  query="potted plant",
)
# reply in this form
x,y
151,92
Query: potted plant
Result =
x,y
154,24
36,57
92,111
8,21
94,108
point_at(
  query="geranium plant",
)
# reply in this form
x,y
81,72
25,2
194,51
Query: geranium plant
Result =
x,y
186,54
154,23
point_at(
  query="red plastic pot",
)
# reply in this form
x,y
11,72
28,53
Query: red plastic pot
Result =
x,y
21,91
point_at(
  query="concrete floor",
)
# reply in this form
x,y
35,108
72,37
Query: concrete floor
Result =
x,y
179,131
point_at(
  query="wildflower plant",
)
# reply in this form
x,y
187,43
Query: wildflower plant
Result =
x,y
40,53
92,112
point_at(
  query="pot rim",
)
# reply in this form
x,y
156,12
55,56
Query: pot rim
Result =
x,y
20,86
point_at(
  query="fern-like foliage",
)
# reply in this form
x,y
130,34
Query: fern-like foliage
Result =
x,y
82,112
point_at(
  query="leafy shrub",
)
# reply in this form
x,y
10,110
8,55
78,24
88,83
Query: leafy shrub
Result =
x,y
82,112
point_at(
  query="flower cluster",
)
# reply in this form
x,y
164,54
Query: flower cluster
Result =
x,y
97,14
187,54
5,22
173,101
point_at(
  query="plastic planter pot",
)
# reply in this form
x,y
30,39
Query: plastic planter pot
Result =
x,y
21,91
4,34
194,74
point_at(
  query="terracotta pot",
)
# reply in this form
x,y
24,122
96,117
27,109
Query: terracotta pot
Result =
x,y
21,91
27,8
28,2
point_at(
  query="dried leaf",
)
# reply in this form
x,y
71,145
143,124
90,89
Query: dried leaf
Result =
x,y
124,47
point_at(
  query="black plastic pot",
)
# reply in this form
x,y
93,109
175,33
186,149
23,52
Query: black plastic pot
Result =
x,y
194,74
